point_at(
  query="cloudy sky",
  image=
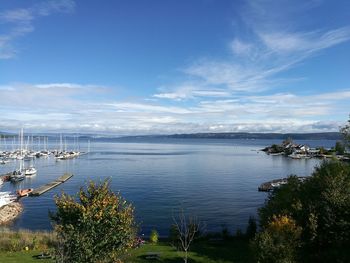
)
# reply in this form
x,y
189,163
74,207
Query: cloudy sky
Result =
x,y
168,66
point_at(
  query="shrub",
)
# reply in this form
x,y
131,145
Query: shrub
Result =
x,y
153,238
278,242
320,205
251,228
97,227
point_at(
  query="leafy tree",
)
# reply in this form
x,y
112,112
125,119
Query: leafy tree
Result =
x,y
97,227
278,242
321,206
251,228
345,131
339,148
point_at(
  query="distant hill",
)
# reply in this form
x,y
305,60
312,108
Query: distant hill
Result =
x,y
222,135
246,135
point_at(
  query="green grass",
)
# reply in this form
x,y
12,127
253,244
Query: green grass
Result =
x,y
22,256
201,252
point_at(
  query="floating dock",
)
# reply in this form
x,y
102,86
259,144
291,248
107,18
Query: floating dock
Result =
x,y
271,185
43,189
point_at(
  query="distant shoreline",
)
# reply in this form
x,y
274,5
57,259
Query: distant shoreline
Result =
x,y
208,135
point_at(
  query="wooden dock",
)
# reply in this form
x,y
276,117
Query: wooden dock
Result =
x,y
49,186
271,185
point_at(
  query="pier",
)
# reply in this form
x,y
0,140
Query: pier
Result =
x,y
47,187
271,185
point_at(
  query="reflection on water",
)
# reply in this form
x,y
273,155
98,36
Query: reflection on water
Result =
x,y
214,179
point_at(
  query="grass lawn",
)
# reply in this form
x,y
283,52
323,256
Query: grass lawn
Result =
x,y
23,256
201,252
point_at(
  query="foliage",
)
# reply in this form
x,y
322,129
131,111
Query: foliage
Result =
x,y
154,236
345,131
320,205
339,148
33,240
278,242
251,228
174,236
98,227
275,148
225,233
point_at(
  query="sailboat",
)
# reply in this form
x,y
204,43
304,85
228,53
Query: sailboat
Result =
x,y
18,175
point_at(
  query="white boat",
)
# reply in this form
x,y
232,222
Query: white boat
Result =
x,y
4,161
30,171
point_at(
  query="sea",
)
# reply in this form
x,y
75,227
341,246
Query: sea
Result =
x,y
215,180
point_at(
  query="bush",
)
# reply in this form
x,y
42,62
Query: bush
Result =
x,y
98,227
278,242
153,238
320,205
251,228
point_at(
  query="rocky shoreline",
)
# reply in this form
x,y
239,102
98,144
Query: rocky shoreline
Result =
x,y
9,212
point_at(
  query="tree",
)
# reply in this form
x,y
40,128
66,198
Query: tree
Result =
x,y
345,131
339,148
278,242
187,228
251,228
97,227
320,205
154,236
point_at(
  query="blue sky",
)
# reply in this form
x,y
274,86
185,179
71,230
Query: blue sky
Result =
x,y
150,67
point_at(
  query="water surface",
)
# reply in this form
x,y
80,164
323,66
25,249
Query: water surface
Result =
x,y
216,180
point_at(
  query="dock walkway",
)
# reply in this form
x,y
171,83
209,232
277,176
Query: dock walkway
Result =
x,y
271,185
43,189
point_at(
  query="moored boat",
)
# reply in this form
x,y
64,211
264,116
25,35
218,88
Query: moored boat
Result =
x,y
24,192
30,171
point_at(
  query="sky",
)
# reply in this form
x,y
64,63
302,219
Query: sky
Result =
x,y
132,67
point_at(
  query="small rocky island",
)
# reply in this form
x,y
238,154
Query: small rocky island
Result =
x,y
303,151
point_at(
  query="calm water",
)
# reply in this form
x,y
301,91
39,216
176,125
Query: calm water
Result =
x,y
215,179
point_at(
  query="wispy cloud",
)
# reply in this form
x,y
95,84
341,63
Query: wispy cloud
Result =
x,y
73,107
255,61
21,22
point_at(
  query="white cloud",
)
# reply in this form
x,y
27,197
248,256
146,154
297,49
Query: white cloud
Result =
x,y
73,107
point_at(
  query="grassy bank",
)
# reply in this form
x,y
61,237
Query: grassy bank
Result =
x,y
13,247
16,241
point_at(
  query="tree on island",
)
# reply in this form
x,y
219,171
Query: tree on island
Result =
x,y
97,227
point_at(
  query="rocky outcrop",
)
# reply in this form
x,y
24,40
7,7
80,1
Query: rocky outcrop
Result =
x,y
10,212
